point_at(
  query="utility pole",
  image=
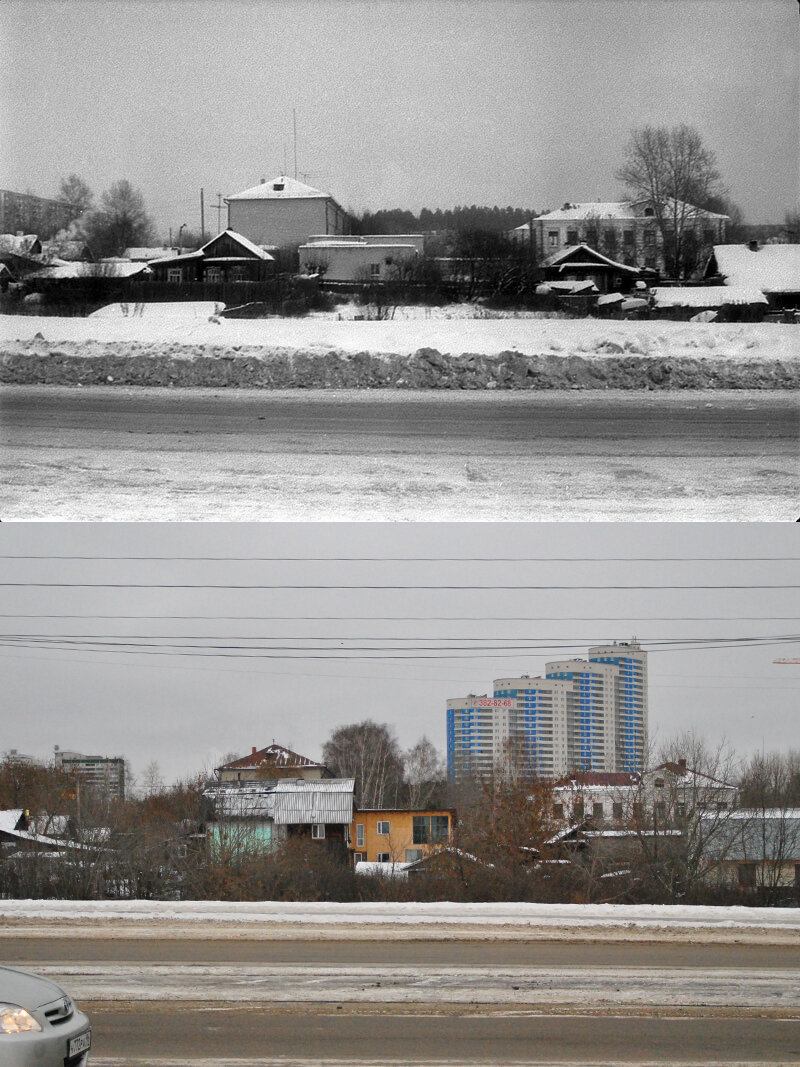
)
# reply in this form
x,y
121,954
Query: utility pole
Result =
x,y
219,212
202,219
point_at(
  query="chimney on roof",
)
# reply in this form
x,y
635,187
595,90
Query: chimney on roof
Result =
x,y
682,764
753,246
254,751
566,206
263,181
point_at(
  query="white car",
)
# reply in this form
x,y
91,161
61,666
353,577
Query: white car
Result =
x,y
40,1026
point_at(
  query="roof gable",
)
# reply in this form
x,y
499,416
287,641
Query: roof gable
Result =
x,y
221,245
271,756
280,188
585,253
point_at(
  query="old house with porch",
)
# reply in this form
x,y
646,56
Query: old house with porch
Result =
x,y
228,257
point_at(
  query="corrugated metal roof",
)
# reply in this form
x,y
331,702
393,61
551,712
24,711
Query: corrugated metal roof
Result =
x,y
287,801
748,836
328,801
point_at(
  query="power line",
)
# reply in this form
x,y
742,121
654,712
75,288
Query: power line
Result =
x,y
421,618
446,587
417,559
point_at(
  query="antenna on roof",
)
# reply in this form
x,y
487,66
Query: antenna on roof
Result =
x,y
294,121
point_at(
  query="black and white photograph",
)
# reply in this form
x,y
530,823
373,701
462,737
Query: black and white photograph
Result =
x,y
399,457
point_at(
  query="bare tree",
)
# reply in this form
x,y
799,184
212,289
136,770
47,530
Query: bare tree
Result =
x,y
120,222
424,773
674,171
367,751
76,193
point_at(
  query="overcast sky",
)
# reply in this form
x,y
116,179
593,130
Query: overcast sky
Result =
x,y
400,103
186,712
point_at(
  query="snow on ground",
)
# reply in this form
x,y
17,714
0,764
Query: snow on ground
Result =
x,y
189,325
451,915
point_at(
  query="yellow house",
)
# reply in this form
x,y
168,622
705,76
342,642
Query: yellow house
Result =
x,y
390,835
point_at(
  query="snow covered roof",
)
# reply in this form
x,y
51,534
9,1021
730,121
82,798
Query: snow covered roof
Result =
x,y
146,254
116,268
200,253
20,244
280,188
772,268
706,296
591,258
618,209
385,870
273,755
245,242
336,243
9,817
599,780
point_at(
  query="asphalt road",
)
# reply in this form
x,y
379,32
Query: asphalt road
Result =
x,y
155,454
192,1003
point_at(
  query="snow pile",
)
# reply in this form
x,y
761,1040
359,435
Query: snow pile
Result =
x,y
448,914
189,324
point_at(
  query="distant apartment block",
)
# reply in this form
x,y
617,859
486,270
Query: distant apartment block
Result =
x,y
104,774
26,213
583,715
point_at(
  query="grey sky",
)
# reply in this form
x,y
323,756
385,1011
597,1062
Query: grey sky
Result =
x,y
407,103
185,713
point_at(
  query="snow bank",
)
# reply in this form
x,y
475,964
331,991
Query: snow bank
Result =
x,y
190,326
416,914
188,350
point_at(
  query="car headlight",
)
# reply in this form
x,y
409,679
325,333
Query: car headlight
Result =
x,y
15,1020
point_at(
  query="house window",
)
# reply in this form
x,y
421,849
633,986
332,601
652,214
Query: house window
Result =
x,y
747,875
358,857
649,212
597,812
359,835
617,811
628,238
413,854
552,238
650,262
638,810
660,810
383,828
384,857
708,236
174,274
572,237
238,274
649,238
577,809
431,829
558,811
213,274
318,831
375,270
680,808
659,783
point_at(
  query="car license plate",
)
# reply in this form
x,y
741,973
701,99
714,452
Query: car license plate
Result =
x,y
80,1043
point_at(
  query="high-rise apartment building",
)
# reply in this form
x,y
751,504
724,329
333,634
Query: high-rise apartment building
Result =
x,y
104,774
588,715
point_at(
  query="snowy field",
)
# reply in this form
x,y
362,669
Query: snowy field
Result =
x,y
446,330
430,920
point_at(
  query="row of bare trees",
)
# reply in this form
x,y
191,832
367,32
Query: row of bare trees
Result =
x,y
512,840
